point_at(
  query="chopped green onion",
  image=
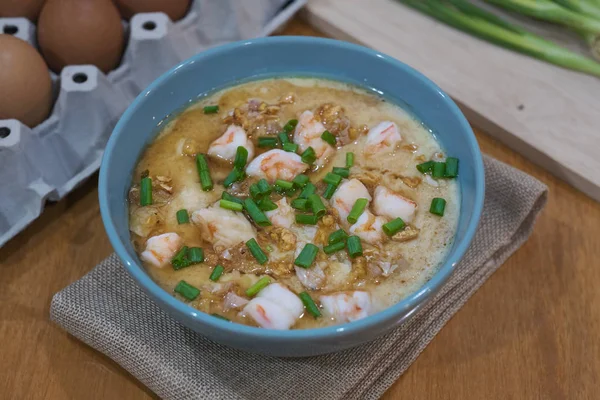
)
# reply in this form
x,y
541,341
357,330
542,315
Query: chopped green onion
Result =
x,y
316,204
285,192
307,256
234,176
241,157
291,124
306,219
255,192
437,206
267,142
146,192
334,247
343,172
258,286
329,191
260,189
338,236
186,290
349,159
186,257
216,273
300,204
291,192
264,187
290,147
329,138
393,227
425,167
211,109
195,255
354,247
285,185
308,190
451,167
256,251
439,168
266,204
301,180
220,317
283,138
206,181
309,156
202,167
310,305
332,179
180,260
256,213
182,216
230,197
230,205
201,163
357,209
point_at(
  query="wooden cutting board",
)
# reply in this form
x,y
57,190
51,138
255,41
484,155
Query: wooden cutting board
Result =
x,y
549,114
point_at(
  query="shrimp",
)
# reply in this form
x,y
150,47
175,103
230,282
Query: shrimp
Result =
x,y
368,227
268,314
278,293
347,306
191,197
275,307
384,136
308,134
160,249
276,164
393,205
348,192
329,275
283,216
311,278
226,145
223,228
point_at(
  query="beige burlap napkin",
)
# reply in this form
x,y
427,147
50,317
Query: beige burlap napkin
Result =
x,y
106,310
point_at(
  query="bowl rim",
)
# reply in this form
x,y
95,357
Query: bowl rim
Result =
x,y
409,303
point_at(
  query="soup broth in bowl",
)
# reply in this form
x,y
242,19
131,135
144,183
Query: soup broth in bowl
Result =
x,y
293,204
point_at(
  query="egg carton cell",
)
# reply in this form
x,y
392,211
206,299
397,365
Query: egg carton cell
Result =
x,y
48,161
18,27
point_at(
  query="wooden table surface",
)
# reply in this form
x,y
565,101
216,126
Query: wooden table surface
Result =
x,y
531,331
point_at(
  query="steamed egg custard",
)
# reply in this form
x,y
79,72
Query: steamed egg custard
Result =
x,y
293,204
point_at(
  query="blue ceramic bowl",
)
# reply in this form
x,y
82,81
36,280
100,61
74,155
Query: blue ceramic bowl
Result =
x,y
287,56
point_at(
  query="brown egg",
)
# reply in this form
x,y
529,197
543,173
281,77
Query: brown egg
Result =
x,y
29,9
80,32
25,86
175,9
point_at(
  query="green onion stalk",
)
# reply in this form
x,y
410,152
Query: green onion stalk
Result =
x,y
582,16
590,8
469,18
593,41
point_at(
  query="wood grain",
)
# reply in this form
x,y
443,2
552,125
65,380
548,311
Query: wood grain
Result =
x,y
548,113
531,332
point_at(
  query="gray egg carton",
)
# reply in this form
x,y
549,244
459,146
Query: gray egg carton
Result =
x,y
47,162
